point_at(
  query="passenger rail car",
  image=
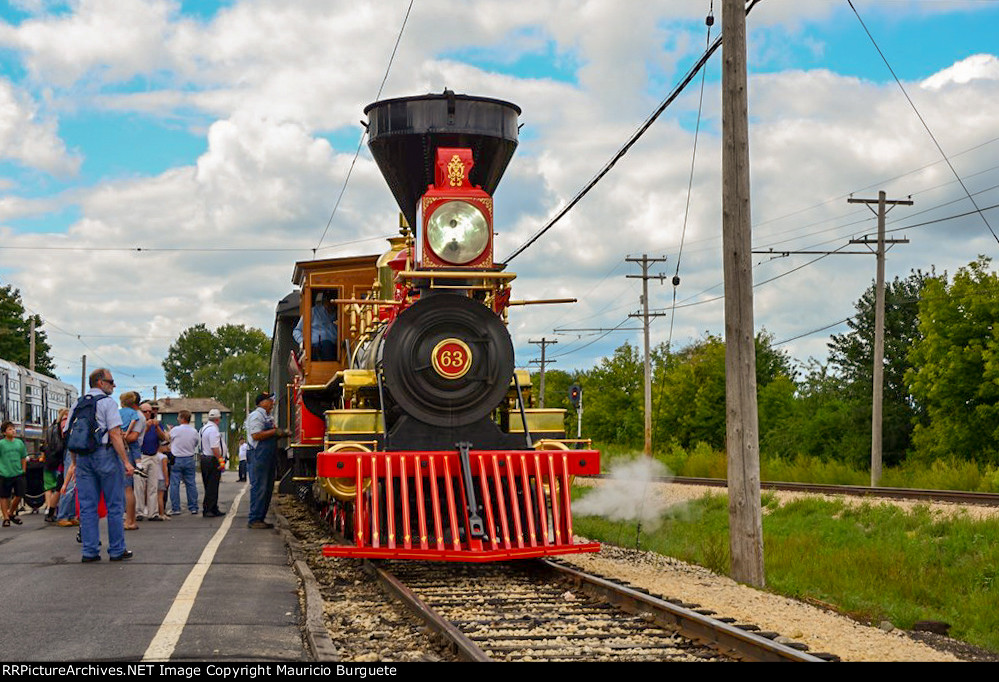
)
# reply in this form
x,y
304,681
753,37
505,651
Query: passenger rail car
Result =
x,y
32,401
413,432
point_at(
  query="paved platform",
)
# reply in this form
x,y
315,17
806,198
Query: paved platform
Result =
x,y
198,589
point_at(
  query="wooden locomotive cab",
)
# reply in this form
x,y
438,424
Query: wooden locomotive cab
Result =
x,y
305,385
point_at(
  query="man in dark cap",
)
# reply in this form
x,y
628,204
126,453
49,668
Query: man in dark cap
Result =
x,y
262,436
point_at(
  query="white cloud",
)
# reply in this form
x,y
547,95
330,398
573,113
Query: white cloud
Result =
x,y
267,78
979,66
27,138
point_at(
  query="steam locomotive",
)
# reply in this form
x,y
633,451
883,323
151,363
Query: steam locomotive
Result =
x,y
413,432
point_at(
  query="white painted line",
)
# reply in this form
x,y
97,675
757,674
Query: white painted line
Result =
x,y
166,638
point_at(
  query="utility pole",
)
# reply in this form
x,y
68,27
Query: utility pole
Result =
x,y
742,420
83,378
645,262
154,393
879,315
543,342
879,328
31,352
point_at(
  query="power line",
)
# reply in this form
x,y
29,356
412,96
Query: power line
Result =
x,y
923,121
627,146
364,134
156,249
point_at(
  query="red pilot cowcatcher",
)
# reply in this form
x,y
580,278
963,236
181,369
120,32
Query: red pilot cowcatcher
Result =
x,y
456,218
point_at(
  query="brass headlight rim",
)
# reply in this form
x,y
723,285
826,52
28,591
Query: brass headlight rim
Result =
x,y
433,228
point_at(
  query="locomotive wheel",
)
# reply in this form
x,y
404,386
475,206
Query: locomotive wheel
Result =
x,y
343,489
448,360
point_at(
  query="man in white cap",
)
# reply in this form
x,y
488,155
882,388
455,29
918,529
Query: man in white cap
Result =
x,y
213,458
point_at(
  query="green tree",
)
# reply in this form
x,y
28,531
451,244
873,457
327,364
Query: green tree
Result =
x,y
612,398
824,420
852,354
198,348
15,334
691,391
955,366
230,380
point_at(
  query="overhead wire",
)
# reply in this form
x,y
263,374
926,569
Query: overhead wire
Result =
x,y
709,21
923,121
364,133
679,88
182,249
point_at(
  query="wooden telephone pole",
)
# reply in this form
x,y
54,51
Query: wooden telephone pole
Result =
x,y
541,390
879,326
645,261
742,422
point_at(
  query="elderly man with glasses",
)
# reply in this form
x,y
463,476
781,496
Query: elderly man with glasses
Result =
x,y
147,488
103,471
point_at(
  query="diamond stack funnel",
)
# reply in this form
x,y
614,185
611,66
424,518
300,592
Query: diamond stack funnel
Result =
x,y
404,134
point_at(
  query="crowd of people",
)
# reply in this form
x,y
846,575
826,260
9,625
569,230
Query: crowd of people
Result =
x,y
122,463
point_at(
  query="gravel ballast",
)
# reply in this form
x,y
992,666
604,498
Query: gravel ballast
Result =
x,y
821,629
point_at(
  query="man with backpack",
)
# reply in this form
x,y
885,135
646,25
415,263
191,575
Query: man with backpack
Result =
x,y
55,448
93,436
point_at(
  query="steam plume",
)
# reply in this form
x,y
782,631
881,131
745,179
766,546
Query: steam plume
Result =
x,y
628,495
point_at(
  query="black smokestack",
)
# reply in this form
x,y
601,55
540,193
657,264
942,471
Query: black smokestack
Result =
x,y
404,133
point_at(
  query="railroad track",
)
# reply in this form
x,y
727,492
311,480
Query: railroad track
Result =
x,y
545,611
956,496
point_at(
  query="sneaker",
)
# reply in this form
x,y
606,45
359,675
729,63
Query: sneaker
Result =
x,y
124,556
260,525
173,512
140,517
155,518
194,512
90,559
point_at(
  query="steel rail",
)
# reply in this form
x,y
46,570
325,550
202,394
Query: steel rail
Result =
x,y
957,496
466,648
728,639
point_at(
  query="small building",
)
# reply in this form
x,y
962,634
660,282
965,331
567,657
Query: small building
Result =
x,y
198,407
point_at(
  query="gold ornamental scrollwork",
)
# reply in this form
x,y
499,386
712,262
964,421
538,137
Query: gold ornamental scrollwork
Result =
x,y
456,171
488,203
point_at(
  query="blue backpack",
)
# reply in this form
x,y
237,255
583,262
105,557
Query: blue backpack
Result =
x,y
84,435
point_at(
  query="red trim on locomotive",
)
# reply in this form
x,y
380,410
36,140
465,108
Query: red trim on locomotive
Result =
x,y
524,495
452,169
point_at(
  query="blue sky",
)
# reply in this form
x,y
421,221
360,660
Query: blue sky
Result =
x,y
155,122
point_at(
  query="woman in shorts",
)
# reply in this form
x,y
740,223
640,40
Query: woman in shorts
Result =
x,y
132,426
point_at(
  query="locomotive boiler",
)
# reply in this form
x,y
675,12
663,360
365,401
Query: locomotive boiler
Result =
x,y
414,432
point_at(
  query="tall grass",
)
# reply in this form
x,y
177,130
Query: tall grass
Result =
x,y
873,561
703,461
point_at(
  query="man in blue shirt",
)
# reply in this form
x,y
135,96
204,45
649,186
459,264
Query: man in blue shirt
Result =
x,y
323,328
262,435
103,471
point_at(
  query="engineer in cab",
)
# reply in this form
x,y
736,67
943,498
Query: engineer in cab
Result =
x,y
323,325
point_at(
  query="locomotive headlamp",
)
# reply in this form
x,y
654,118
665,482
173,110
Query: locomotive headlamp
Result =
x,y
458,232
455,217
